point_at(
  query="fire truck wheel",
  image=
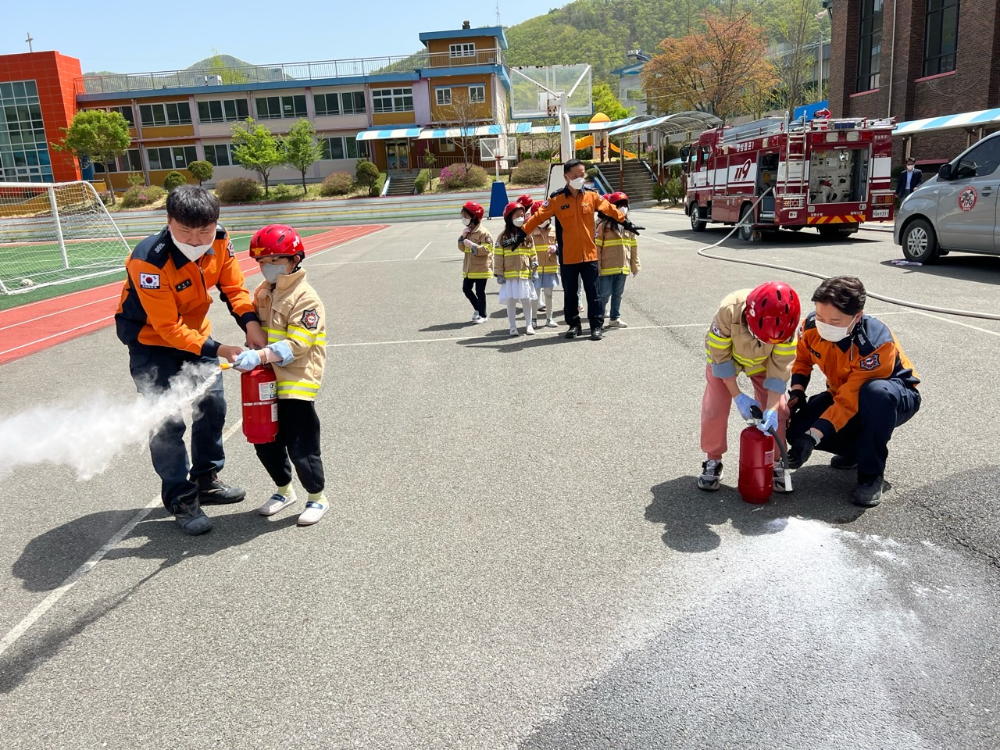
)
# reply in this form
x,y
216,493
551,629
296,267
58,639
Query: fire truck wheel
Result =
x,y
834,233
796,228
697,222
746,226
920,242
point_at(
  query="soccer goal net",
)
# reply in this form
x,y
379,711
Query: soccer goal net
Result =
x,y
55,234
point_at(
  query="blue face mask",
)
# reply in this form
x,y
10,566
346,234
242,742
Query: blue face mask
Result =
x,y
272,271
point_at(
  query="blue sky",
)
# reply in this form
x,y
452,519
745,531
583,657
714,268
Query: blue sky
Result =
x,y
145,35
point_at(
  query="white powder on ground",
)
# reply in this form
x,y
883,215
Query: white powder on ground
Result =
x,y
87,437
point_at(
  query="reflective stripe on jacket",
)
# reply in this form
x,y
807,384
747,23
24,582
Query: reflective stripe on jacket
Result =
x,y
543,240
574,215
514,262
618,250
480,264
291,311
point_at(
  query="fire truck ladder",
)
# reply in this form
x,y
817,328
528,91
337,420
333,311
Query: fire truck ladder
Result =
x,y
795,160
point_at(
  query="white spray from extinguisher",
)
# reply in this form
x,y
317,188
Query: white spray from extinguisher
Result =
x,y
87,437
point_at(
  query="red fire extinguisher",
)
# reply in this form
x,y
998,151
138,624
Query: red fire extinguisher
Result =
x,y
756,482
260,405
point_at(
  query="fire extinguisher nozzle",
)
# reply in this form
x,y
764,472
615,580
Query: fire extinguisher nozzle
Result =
x,y
225,366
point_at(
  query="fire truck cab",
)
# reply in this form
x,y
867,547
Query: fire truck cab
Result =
x,y
824,173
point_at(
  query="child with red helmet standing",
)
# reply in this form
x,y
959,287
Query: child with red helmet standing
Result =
x,y
295,323
477,245
618,254
514,266
753,332
547,273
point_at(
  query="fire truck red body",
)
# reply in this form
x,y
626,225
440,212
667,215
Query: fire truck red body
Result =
x,y
826,173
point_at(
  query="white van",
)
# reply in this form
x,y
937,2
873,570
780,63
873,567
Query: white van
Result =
x,y
955,210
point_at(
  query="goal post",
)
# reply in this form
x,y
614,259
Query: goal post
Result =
x,y
55,233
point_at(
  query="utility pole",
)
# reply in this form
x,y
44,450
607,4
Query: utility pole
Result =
x,y
29,40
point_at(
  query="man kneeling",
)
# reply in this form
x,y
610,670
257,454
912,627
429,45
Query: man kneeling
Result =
x,y
871,387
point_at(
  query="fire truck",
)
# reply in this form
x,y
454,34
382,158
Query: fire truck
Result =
x,y
832,174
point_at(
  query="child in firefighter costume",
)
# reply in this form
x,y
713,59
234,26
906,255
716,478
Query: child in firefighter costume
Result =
x,y
753,332
618,253
547,273
295,323
477,246
514,268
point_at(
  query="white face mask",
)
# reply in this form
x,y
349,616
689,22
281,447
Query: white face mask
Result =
x,y
466,221
577,184
834,333
624,210
518,221
272,271
191,252
909,167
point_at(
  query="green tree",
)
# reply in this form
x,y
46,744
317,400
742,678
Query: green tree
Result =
x,y
256,148
96,136
367,174
201,170
174,180
217,67
301,148
607,102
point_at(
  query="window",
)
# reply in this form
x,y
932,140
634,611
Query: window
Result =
x,y
392,100
985,158
24,151
343,148
448,147
127,113
131,162
173,157
221,155
462,50
870,45
477,94
941,39
353,103
170,113
443,97
276,107
327,104
223,110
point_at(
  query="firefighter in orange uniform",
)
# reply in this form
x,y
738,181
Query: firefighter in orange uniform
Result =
x,y
163,319
574,210
871,388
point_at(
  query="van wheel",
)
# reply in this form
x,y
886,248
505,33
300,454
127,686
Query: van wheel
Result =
x,y
920,242
697,223
745,231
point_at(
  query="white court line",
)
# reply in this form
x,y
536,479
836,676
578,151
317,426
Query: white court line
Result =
x,y
56,335
58,312
955,322
654,239
53,598
422,251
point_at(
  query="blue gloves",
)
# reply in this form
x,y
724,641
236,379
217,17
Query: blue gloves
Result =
x,y
769,423
744,403
284,350
247,360
501,280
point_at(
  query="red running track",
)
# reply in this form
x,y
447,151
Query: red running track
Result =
x,y
40,325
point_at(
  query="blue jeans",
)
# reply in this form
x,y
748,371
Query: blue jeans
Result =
x,y
613,287
152,368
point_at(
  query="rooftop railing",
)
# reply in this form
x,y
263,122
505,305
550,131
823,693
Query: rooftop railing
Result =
x,y
292,73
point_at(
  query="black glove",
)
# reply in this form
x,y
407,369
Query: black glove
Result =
x,y
516,240
796,402
801,450
630,227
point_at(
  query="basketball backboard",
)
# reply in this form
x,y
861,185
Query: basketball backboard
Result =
x,y
529,100
491,149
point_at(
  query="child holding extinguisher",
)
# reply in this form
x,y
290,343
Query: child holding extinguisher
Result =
x,y
477,267
753,332
295,323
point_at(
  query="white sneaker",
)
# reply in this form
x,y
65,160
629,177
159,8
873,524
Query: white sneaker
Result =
x,y
711,475
475,317
480,319
514,332
617,323
551,323
276,503
313,512
530,330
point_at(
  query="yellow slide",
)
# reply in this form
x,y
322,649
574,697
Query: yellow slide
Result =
x,y
588,141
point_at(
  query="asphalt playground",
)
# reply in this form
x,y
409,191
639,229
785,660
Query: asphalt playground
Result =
x,y
518,556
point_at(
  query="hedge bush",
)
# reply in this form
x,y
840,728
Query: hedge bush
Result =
x,y
368,175
283,192
530,172
423,180
338,183
460,177
140,195
675,190
238,190
201,170
174,180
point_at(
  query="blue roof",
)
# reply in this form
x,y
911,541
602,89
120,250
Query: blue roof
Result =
x,y
494,31
629,70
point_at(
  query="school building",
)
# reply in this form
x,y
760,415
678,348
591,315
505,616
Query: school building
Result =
x,y
392,110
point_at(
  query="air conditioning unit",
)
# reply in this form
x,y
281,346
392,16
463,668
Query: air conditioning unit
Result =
x,y
213,80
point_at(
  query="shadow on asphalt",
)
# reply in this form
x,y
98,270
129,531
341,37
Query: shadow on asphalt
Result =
x,y
50,558
689,515
962,267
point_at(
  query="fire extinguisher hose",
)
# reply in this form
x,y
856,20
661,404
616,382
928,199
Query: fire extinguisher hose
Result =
x,y
704,253
758,415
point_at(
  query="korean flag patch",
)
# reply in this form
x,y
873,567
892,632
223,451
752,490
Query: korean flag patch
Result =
x,y
870,362
149,280
310,320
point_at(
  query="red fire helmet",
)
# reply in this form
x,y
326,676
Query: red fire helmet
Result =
x,y
772,312
276,239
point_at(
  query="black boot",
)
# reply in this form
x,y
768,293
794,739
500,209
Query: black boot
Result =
x,y
868,491
213,492
574,331
596,334
189,515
